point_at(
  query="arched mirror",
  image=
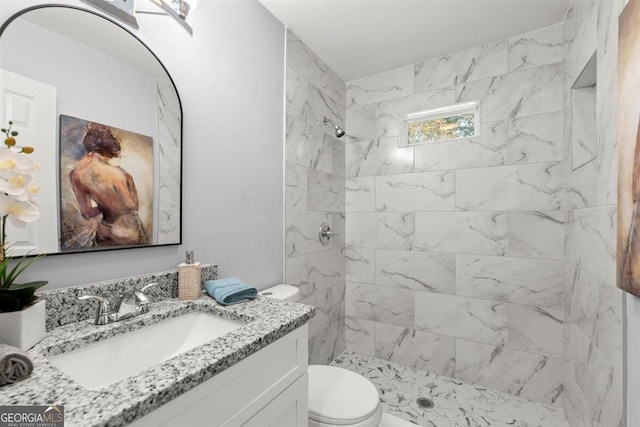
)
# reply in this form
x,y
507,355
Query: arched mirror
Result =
x,y
106,122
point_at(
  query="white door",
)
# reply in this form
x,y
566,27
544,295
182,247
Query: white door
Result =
x,y
31,105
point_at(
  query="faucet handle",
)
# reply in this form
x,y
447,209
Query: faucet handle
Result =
x,y
142,301
144,288
103,312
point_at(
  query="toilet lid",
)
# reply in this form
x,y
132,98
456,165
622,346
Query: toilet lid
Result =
x,y
338,396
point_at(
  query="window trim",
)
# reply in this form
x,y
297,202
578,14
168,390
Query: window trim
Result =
x,y
405,119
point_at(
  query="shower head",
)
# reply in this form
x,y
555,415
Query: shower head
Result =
x,y
339,130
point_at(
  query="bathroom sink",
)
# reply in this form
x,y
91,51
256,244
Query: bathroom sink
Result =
x,y
114,359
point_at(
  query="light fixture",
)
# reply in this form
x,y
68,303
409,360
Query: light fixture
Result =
x,y
125,10
177,9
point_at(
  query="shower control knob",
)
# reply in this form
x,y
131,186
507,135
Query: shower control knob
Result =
x,y
325,234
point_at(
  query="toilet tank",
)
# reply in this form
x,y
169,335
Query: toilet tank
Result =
x,y
286,292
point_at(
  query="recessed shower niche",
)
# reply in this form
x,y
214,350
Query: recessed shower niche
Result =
x,y
584,144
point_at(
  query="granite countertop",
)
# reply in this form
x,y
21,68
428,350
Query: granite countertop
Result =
x,y
125,401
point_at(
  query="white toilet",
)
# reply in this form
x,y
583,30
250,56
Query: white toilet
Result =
x,y
337,397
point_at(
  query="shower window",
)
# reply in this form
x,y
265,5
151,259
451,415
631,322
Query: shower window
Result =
x,y
440,124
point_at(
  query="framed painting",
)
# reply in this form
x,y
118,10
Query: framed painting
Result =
x,y
106,186
628,255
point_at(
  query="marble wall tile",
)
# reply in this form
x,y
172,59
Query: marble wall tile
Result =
x,y
338,227
535,377
576,407
594,232
297,274
582,302
582,187
601,386
361,123
360,265
295,186
540,47
305,145
326,269
582,45
611,325
380,303
320,105
387,112
360,194
521,93
360,336
315,193
607,107
327,327
325,192
380,87
307,63
301,231
417,349
531,281
607,161
537,186
536,138
535,329
426,191
394,230
339,156
422,271
580,351
460,67
611,411
460,317
462,232
378,157
583,131
578,9
608,13
488,149
297,95
537,233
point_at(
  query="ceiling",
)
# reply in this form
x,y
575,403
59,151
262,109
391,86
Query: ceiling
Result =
x,y
358,38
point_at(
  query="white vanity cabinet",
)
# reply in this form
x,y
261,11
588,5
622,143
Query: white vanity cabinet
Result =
x,y
267,388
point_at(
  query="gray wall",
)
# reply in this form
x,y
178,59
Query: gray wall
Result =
x,y
230,77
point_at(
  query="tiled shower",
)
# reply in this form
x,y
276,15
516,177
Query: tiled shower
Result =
x,y
455,285
489,260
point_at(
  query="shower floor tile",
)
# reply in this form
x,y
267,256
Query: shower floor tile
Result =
x,y
456,403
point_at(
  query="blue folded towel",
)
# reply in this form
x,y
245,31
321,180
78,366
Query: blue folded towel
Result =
x,y
230,290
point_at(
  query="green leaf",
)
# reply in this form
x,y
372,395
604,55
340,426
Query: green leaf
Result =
x,y
17,269
35,285
14,133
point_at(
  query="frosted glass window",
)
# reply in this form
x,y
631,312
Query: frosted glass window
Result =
x,y
441,124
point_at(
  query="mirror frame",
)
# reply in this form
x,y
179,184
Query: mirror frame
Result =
x,y
18,14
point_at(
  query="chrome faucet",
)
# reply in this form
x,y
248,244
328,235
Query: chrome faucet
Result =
x,y
128,305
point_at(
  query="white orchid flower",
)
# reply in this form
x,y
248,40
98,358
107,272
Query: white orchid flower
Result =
x,y
15,161
16,185
18,211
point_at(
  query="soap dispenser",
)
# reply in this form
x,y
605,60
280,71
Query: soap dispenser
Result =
x,y
189,279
